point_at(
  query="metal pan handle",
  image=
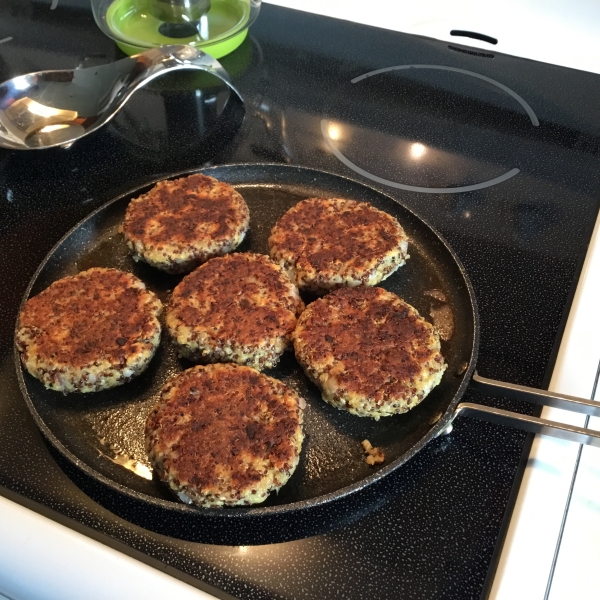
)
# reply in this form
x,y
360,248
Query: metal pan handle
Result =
x,y
492,387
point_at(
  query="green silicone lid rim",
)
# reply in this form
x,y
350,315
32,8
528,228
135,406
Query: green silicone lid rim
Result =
x,y
217,50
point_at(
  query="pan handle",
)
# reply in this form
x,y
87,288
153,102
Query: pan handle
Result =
x,y
492,387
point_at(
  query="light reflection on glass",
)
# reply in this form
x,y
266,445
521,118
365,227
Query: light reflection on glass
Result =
x,y
334,132
204,33
404,163
417,150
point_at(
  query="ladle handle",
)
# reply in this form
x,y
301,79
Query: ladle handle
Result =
x,y
499,416
156,61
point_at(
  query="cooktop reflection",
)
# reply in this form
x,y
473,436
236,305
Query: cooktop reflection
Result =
x,y
409,141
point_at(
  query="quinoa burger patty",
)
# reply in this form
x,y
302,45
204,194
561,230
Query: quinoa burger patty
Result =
x,y
328,243
181,223
368,351
238,308
89,332
224,435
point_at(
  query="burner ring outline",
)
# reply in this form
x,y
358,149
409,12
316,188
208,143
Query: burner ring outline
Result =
x,y
428,190
519,99
410,188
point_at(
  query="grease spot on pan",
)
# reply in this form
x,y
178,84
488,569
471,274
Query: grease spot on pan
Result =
x,y
437,294
130,464
441,313
443,320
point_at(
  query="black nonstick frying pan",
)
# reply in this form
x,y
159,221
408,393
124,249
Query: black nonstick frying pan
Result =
x,y
101,434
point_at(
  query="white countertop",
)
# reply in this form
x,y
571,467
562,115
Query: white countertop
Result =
x,y
72,566
556,523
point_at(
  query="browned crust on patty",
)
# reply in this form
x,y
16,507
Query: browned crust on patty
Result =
x,y
183,222
369,351
90,331
225,434
327,243
238,308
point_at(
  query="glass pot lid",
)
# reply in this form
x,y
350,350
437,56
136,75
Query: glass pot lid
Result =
x,y
215,26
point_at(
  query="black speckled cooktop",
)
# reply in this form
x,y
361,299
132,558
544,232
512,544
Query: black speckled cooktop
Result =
x,y
510,178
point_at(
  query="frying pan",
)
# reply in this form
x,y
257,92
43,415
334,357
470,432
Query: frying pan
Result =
x,y
99,437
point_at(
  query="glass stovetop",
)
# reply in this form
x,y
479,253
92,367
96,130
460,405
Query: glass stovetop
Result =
x,y
514,191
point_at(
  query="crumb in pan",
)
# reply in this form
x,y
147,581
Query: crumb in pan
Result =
x,y
374,455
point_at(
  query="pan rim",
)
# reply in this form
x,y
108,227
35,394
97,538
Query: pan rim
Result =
x,y
252,512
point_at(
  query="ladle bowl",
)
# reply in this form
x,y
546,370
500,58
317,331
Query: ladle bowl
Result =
x,y
50,109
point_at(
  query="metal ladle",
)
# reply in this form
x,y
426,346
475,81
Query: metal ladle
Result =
x,y
52,109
